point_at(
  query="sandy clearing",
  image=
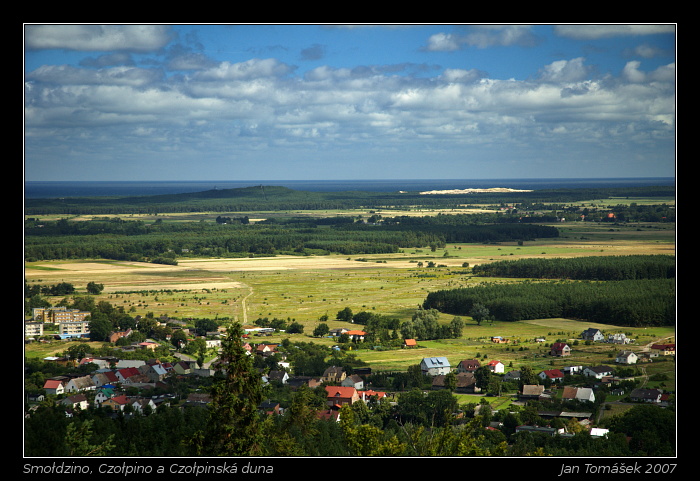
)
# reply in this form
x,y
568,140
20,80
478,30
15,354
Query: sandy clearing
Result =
x,y
146,285
286,263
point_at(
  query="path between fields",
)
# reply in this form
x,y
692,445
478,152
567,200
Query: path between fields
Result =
x,y
243,305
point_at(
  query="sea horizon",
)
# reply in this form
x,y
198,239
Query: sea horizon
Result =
x,y
91,188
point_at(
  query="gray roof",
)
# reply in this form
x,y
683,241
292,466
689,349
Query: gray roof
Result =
x,y
436,362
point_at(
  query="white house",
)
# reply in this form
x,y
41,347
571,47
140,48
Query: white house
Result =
x,y
598,372
140,404
626,357
497,367
79,384
592,334
432,366
78,401
54,386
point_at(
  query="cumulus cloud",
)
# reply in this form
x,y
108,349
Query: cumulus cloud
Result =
x,y
483,36
192,102
590,32
133,38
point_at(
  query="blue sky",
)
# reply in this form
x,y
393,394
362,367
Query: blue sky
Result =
x,y
308,102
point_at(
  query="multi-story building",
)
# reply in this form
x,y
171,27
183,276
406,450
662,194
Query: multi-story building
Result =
x,y
57,315
73,328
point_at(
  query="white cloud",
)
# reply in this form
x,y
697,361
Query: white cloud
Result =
x,y
590,32
135,38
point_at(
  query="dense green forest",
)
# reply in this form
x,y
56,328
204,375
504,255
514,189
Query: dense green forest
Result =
x,y
135,240
266,198
634,290
600,268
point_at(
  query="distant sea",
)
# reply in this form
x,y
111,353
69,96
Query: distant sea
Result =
x,y
58,189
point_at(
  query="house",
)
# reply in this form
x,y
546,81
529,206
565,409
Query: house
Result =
x,y
356,335
496,367
646,395
592,334
619,338
410,343
123,375
266,349
531,391
626,357
115,336
141,405
468,365
572,370
663,350
154,372
598,372
340,395
104,378
198,399
433,366
128,363
554,375
280,376
499,340
270,407
466,383
353,381
102,394
117,403
560,349
182,367
78,384
334,374
512,376
438,382
580,393
75,401
366,396
54,386
100,363
329,415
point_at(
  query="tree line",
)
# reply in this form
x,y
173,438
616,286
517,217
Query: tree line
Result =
x,y
602,268
163,242
645,302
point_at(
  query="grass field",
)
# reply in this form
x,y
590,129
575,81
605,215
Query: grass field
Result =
x,y
305,288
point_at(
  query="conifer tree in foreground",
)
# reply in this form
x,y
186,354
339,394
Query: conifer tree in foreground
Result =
x,y
234,424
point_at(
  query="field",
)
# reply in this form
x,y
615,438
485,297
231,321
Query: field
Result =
x,y
303,288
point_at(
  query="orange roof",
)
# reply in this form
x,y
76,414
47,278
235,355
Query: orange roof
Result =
x,y
410,342
355,333
341,391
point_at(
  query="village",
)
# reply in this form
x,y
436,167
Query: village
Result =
x,y
122,386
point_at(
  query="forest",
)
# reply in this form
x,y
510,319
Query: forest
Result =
x,y
619,290
136,240
600,268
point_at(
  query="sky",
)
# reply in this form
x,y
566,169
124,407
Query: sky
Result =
x,y
347,102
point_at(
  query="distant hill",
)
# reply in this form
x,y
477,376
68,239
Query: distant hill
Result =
x,y
283,198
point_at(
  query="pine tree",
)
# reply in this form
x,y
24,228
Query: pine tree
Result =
x,y
234,426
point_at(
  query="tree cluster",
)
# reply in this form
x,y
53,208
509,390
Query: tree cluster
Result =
x,y
163,242
647,302
602,268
